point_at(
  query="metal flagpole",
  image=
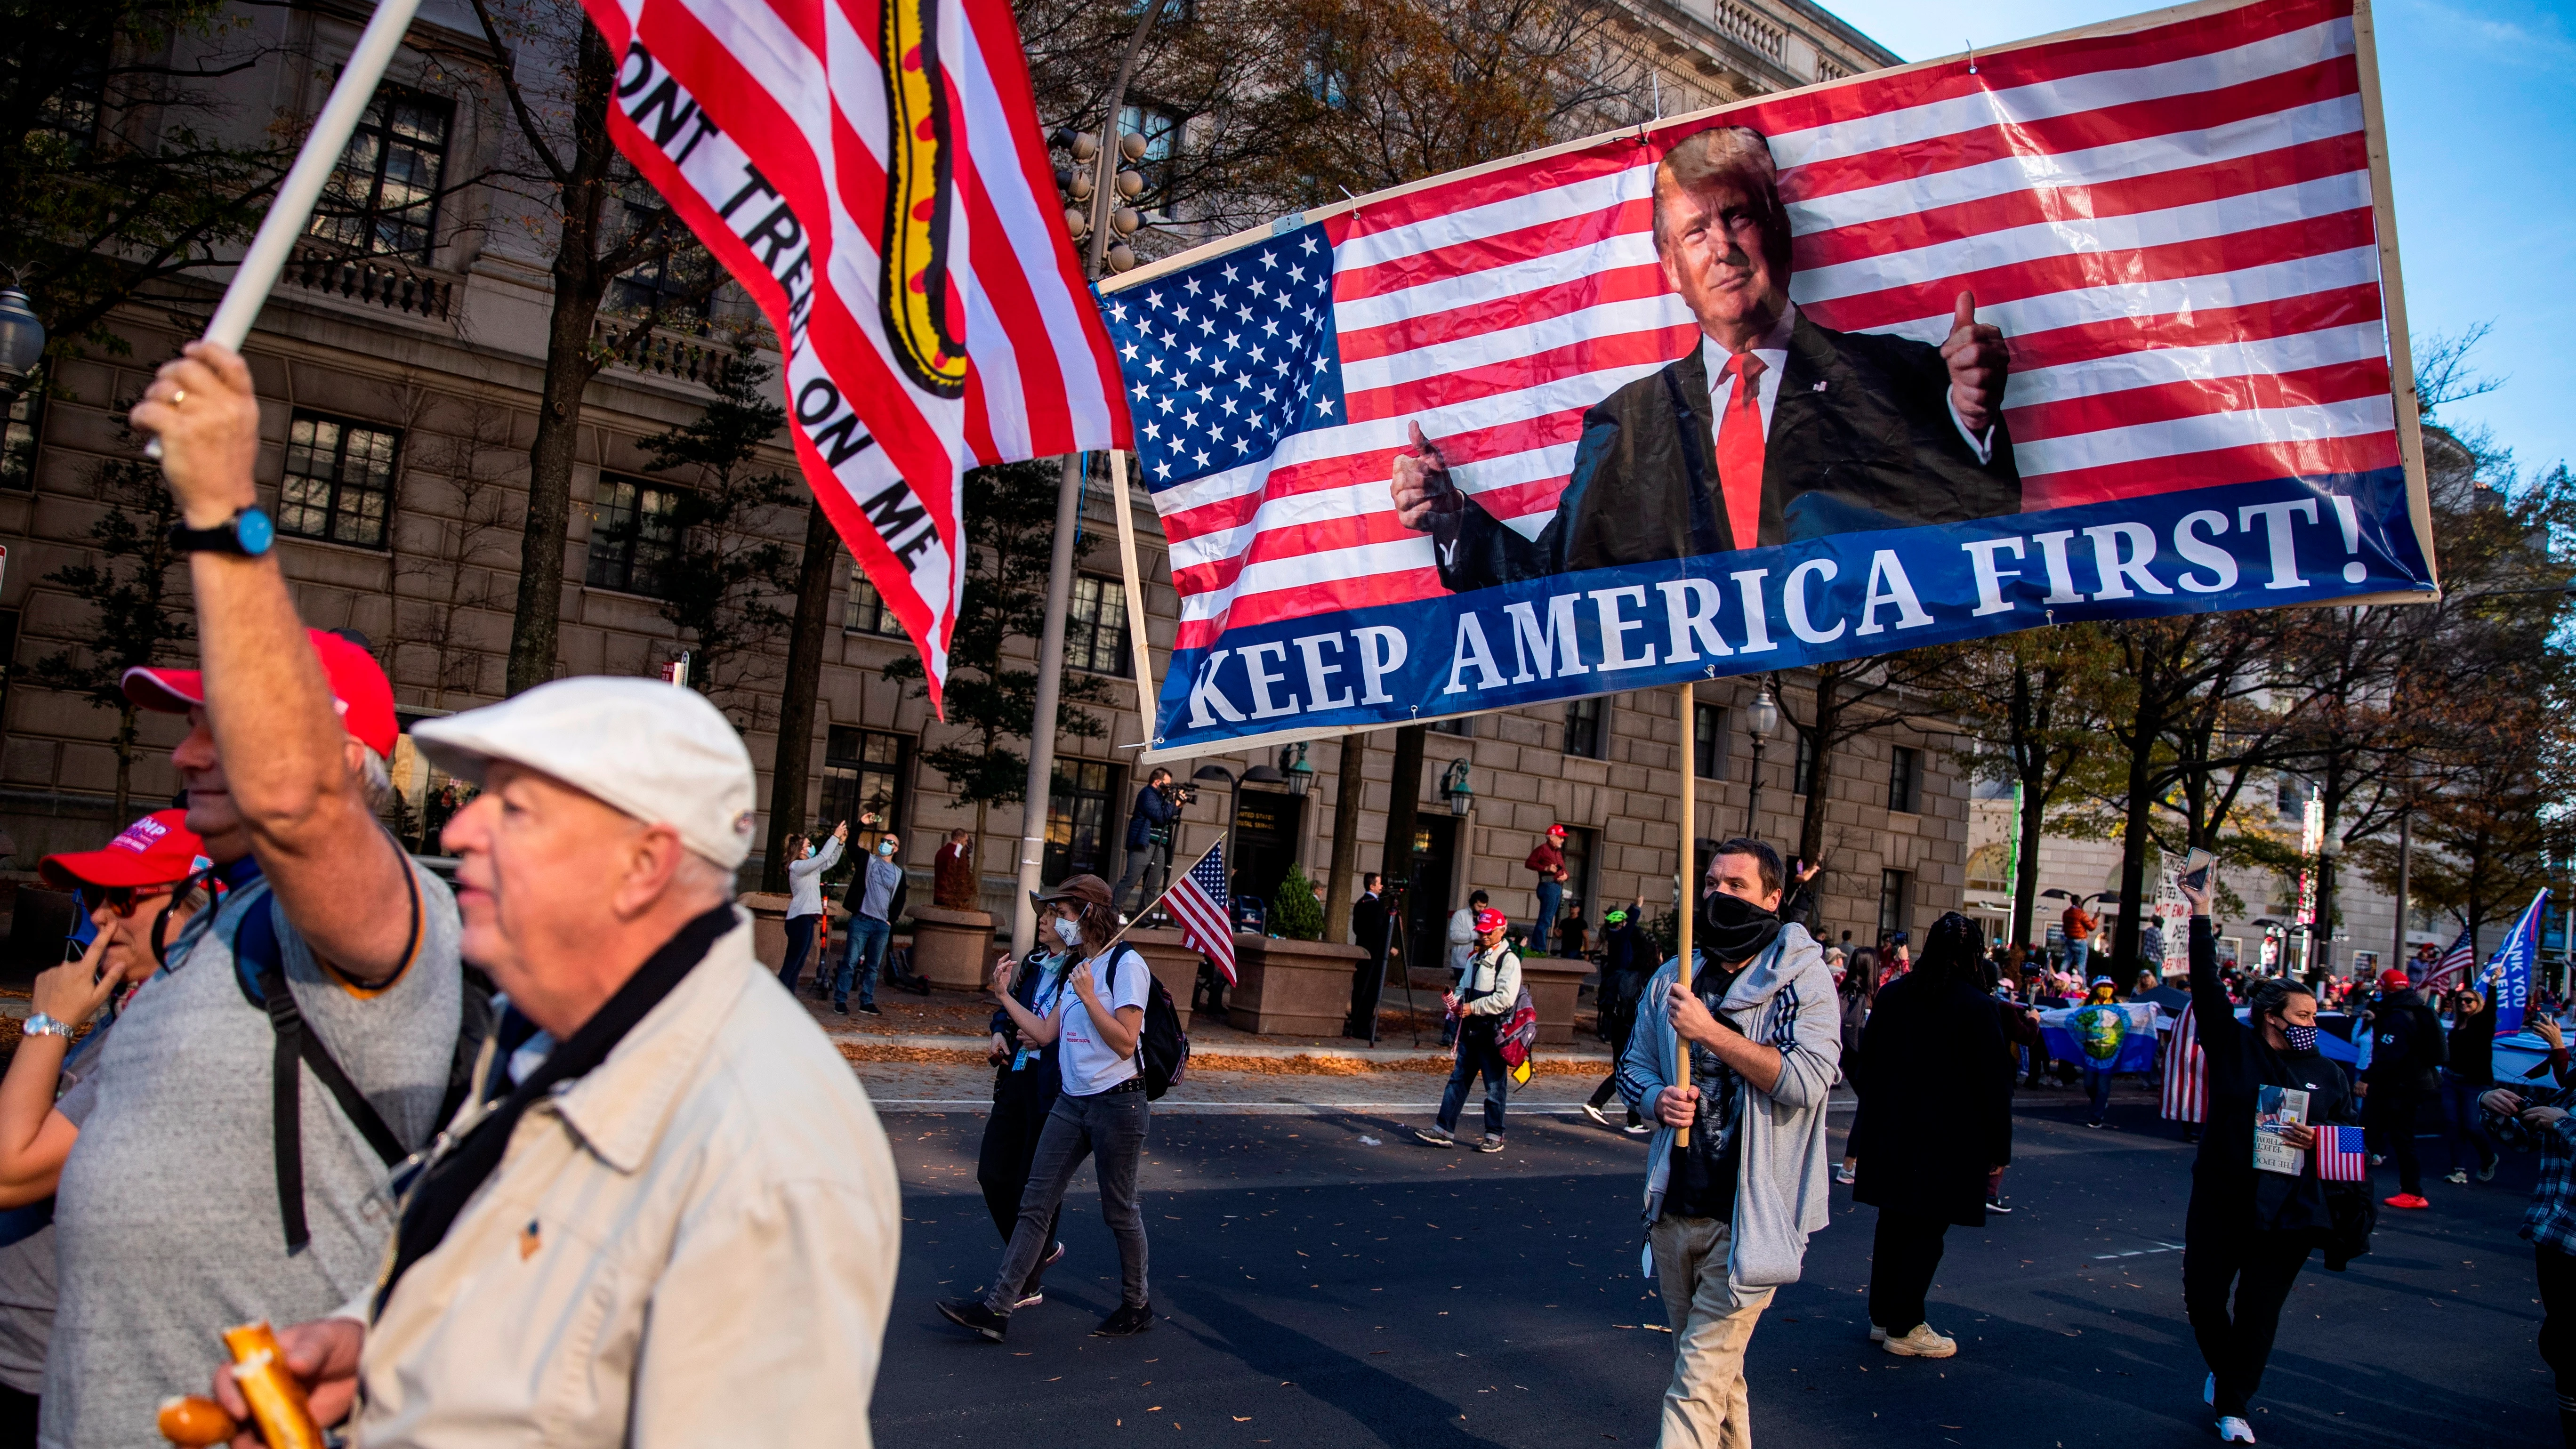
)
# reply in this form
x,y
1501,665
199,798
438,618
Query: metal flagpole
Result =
x,y
287,215
1137,640
1690,895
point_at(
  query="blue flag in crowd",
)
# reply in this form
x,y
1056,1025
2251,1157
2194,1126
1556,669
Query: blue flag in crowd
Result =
x,y
2515,959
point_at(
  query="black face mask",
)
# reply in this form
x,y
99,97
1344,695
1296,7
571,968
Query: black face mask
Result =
x,y
1738,930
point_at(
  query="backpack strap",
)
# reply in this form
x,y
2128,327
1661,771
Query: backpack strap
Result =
x,y
260,968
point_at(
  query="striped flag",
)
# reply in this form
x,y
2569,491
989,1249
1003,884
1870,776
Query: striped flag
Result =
x,y
874,174
2174,228
2186,1078
2462,955
2341,1155
1198,901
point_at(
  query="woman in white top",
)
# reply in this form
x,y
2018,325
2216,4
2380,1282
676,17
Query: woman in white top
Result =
x,y
805,897
1094,1026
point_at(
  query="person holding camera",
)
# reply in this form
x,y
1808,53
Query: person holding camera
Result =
x,y
1149,837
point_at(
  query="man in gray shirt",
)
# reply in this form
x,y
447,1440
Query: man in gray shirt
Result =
x,y
875,900
174,1219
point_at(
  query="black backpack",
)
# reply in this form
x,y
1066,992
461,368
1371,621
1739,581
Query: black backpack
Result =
x,y
1162,1048
259,968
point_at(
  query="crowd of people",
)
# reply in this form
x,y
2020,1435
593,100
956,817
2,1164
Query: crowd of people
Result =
x,y
270,1086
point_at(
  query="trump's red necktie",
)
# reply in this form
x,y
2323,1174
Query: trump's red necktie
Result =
x,y
1739,450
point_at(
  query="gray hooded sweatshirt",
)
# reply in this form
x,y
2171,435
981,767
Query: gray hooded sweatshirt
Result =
x,y
1784,1000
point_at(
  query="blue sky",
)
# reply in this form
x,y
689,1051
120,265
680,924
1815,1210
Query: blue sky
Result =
x,y
2481,107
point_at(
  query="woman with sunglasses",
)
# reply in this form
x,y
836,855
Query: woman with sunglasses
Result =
x,y
142,890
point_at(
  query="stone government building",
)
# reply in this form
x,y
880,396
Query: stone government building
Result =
x,y
399,363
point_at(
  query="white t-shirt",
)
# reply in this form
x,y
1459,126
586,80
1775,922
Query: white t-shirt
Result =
x,y
1088,1065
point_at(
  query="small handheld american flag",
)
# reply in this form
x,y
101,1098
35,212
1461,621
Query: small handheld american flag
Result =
x,y
2341,1156
2456,961
1196,900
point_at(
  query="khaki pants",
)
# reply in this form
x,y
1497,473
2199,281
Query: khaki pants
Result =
x,y
1705,1406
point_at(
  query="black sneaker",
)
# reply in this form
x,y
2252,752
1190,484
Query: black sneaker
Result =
x,y
840,1008
1996,1204
972,1315
871,1008
1130,1319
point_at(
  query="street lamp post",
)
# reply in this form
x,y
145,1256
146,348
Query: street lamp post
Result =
x,y
1760,721
1068,513
22,341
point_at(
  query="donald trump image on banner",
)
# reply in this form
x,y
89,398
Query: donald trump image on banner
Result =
x,y
1773,429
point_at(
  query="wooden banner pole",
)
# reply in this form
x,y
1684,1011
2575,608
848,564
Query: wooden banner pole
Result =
x,y
1689,756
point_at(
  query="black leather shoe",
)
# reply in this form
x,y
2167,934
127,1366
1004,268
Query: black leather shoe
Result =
x,y
1127,1322
972,1315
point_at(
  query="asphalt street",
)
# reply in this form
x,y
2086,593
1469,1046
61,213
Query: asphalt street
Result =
x,y
1324,1279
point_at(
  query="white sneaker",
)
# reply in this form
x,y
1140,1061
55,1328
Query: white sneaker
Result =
x,y
1845,1176
1921,1341
1637,1129
2458,1176
2233,1430
1489,1143
1596,1114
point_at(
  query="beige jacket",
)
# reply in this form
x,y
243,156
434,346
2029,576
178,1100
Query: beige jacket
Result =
x,y
693,1245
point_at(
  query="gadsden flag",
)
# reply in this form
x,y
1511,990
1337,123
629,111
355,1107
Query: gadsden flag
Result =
x,y
873,172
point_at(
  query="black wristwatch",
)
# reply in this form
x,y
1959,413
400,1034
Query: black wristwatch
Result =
x,y
247,533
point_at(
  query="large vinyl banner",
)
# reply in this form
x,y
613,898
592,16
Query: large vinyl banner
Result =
x,y
2097,326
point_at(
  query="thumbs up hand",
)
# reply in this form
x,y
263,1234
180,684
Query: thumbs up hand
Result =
x,y
1978,362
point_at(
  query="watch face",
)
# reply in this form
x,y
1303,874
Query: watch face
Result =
x,y
254,531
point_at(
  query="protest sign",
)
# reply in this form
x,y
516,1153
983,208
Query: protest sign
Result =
x,y
2099,326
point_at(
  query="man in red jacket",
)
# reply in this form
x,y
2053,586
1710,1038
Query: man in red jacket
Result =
x,y
1549,861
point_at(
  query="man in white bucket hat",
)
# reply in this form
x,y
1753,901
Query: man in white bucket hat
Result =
x,y
666,1213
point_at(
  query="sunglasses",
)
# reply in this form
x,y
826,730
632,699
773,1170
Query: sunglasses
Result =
x,y
122,898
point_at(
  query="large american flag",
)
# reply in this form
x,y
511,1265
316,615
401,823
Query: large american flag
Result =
x,y
1197,901
2173,226
874,174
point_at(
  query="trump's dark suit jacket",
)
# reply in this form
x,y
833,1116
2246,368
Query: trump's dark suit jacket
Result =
x,y
1861,438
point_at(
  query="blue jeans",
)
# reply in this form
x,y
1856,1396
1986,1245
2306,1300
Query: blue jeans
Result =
x,y
1477,1052
800,944
868,937
1551,893
2459,1101
2076,951
2097,1085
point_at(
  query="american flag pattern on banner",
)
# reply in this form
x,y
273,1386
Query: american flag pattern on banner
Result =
x,y
2341,1157
2173,227
2185,1097
2456,961
1197,901
873,172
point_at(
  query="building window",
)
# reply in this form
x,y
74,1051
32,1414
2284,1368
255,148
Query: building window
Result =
x,y
1584,733
383,197
1708,741
866,612
1162,133
863,774
1095,626
339,475
1805,780
676,284
1905,781
1082,816
18,445
632,536
1895,887
1463,726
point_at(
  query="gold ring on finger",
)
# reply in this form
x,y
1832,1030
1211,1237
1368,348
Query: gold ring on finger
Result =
x,y
178,395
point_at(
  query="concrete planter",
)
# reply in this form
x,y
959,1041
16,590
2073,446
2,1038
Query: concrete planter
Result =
x,y
952,948
768,926
1175,965
1291,988
1553,982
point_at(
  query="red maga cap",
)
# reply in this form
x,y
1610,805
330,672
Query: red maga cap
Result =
x,y
2392,977
1556,830
1489,920
158,849
358,687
